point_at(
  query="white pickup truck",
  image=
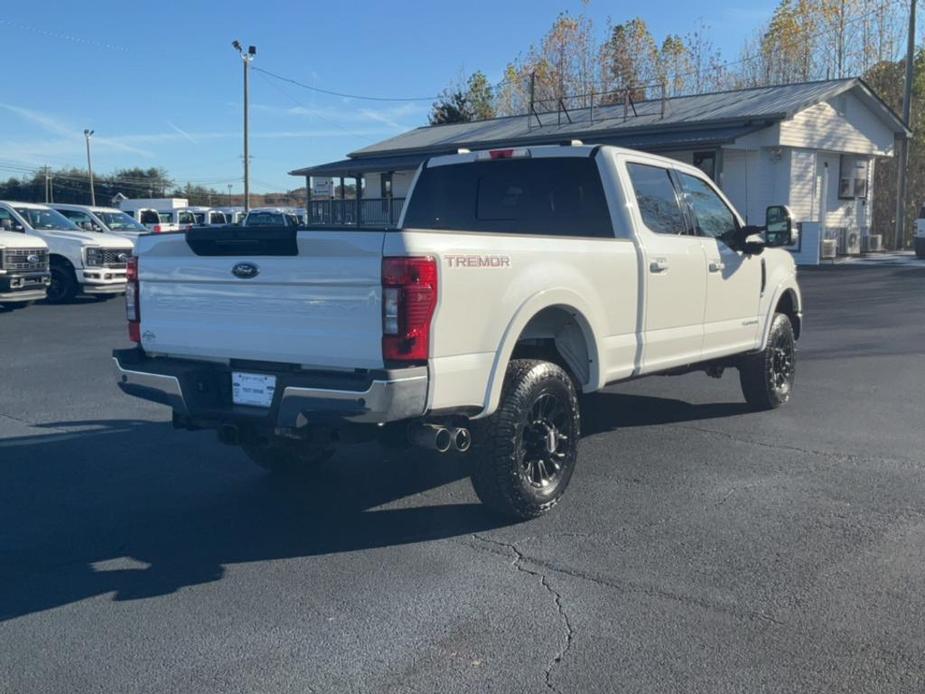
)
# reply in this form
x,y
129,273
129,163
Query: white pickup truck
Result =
x,y
80,261
516,280
24,275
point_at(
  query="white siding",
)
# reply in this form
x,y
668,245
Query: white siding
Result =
x,y
401,183
849,213
754,179
843,125
802,199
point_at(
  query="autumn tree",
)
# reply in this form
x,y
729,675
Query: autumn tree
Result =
x,y
673,65
628,61
471,101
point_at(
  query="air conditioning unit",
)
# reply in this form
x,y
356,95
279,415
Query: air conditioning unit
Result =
x,y
872,243
829,249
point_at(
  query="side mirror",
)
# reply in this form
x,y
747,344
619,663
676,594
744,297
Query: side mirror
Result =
x,y
749,239
778,226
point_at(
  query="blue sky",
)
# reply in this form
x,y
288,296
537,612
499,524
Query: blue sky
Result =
x,y
161,85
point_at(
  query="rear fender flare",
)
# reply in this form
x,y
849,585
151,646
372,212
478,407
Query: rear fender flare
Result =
x,y
551,298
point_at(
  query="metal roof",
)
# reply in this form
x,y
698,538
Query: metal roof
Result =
x,y
695,118
352,167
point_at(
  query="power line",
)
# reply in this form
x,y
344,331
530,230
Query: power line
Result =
x,y
343,94
313,111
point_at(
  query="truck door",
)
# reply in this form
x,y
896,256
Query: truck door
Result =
x,y
733,277
674,270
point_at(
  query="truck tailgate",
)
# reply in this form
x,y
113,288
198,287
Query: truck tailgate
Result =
x,y
314,301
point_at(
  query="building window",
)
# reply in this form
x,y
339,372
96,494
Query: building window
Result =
x,y
706,162
852,177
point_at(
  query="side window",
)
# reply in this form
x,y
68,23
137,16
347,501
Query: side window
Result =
x,y
712,217
657,199
7,223
150,217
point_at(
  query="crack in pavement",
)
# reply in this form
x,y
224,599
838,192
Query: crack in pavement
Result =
x,y
629,586
518,563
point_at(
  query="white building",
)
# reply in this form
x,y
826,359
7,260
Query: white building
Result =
x,y
812,146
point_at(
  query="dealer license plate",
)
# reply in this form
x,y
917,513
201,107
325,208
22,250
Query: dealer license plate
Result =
x,y
255,390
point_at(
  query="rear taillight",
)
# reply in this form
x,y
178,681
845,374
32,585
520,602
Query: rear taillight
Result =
x,y
156,229
133,300
409,297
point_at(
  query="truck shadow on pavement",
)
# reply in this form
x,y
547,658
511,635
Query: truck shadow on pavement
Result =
x,y
137,509
608,410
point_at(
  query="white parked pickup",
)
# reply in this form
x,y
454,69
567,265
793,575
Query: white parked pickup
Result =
x,y
24,276
516,280
80,261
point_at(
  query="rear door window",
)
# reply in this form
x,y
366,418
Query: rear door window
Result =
x,y
657,199
712,217
560,196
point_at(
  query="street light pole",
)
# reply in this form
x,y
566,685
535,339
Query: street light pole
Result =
x,y
902,183
87,134
247,57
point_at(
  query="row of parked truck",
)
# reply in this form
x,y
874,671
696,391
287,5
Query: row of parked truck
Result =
x,y
174,214
53,252
57,251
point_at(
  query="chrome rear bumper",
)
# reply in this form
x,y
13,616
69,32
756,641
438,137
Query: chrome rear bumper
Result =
x,y
201,391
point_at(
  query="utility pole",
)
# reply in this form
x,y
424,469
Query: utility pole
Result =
x,y
229,195
45,169
902,183
87,134
247,57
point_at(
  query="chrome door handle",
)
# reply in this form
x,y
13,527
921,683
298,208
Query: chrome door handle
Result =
x,y
717,266
658,265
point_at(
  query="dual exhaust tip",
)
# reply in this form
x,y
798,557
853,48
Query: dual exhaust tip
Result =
x,y
442,439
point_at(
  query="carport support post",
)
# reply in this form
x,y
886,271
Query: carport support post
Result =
x,y
308,200
359,196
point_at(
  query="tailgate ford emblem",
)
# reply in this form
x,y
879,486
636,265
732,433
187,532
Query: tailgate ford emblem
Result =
x,y
245,271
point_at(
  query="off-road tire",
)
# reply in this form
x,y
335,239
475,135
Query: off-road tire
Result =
x,y
513,447
767,376
64,286
287,458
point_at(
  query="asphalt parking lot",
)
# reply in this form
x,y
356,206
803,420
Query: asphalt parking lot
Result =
x,y
701,547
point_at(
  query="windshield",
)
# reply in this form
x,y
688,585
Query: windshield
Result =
x,y
45,219
119,221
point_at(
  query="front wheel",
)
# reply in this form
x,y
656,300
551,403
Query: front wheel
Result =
x,y
63,287
525,452
767,376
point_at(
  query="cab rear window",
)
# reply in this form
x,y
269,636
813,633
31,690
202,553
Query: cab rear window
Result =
x,y
560,196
